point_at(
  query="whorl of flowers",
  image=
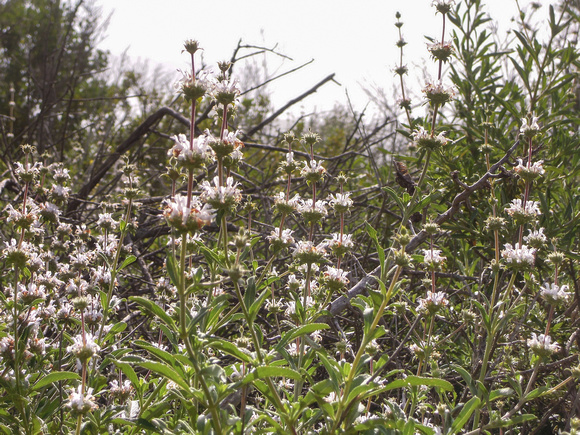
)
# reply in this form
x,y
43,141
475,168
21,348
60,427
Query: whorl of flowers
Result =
x,y
433,258
221,197
306,252
340,202
433,302
84,347
339,245
437,94
227,146
424,139
523,214
531,129
536,238
79,403
530,172
284,206
313,171
542,345
518,257
191,156
226,92
312,213
443,6
441,50
555,294
281,239
335,278
184,218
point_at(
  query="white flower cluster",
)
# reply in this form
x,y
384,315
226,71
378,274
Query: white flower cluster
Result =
x,y
433,257
518,256
283,237
529,172
340,202
221,197
555,294
542,345
433,302
84,348
536,238
521,212
424,139
80,403
191,155
306,252
187,218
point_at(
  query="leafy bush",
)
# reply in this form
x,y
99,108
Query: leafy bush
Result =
x,y
270,289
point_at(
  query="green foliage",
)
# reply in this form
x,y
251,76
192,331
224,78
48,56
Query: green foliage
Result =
x,y
395,310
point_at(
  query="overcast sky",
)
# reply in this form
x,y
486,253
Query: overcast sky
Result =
x,y
354,39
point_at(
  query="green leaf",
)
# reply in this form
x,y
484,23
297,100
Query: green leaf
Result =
x,y
165,371
117,328
250,292
130,259
467,378
173,271
288,336
269,371
128,372
55,377
465,414
499,393
154,309
231,349
395,197
416,381
518,419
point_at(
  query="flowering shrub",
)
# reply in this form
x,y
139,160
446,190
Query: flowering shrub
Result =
x,y
306,299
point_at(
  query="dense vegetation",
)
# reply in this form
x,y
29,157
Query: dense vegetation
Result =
x,y
187,266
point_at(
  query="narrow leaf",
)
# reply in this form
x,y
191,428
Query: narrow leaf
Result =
x,y
465,414
54,377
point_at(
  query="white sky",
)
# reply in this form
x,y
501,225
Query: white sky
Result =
x,y
354,39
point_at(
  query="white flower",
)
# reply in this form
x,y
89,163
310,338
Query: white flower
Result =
x,y
80,403
331,398
518,256
555,294
307,252
291,306
433,257
443,6
529,171
221,197
339,244
536,238
523,213
530,130
438,94
340,202
542,345
84,348
226,91
283,237
191,154
312,212
424,139
313,171
121,392
185,218
335,278
433,302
